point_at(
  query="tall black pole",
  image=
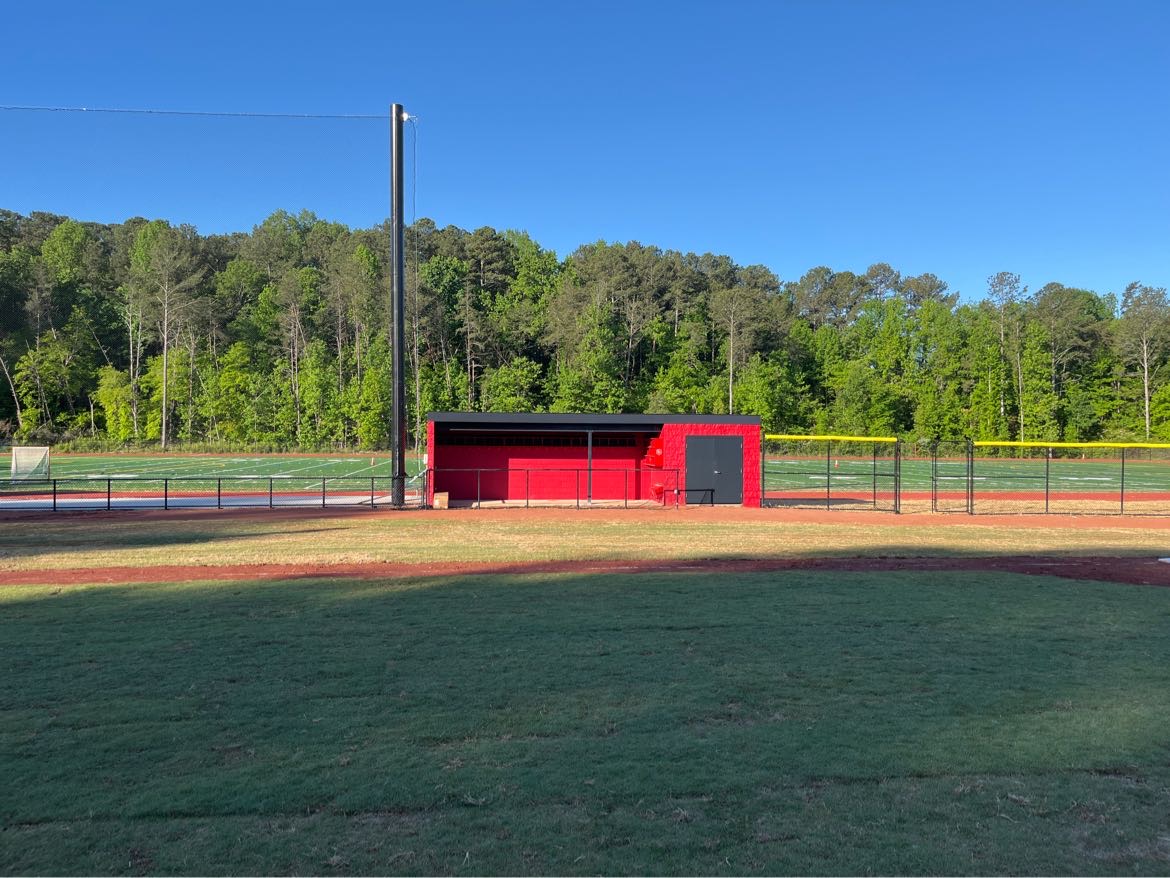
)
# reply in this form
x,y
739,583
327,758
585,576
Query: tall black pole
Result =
x,y
398,311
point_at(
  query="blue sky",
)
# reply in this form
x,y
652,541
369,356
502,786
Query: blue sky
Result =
x,y
961,139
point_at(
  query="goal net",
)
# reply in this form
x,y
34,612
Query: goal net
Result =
x,y
30,463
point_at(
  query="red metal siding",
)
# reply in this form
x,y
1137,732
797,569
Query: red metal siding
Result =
x,y
431,463
674,441
543,473
556,472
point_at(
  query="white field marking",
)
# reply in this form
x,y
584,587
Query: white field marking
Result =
x,y
1164,560
283,471
232,466
381,464
356,473
308,466
143,468
1085,479
177,467
186,469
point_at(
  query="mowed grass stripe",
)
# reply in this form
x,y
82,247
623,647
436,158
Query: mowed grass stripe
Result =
x,y
800,722
211,467
513,536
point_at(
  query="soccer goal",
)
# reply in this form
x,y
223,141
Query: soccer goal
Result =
x,y
30,463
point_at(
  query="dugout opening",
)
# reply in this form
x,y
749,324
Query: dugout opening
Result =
x,y
588,459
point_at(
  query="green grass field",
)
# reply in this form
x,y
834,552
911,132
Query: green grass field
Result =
x,y
204,466
1000,484
271,478
812,723
991,474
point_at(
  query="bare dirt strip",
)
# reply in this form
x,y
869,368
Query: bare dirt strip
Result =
x,y
1134,571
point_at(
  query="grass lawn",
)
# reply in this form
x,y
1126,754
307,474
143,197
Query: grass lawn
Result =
x,y
83,540
807,722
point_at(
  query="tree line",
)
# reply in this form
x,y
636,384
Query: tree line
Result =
x,y
144,333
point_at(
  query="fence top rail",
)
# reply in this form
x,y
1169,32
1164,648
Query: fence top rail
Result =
x,y
829,438
996,443
208,478
549,469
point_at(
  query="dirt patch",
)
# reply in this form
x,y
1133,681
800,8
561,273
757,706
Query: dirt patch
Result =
x,y
1133,571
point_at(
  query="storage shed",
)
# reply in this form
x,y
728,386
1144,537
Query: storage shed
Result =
x,y
515,458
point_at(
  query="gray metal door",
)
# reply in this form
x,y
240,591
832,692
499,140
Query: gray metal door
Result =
x,y
714,469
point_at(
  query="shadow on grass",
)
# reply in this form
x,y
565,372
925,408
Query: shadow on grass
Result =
x,y
805,722
61,537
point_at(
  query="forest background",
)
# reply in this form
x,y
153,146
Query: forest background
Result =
x,y
146,334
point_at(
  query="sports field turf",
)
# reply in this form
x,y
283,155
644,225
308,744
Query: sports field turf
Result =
x,y
1140,484
845,473
351,465
809,723
795,721
990,474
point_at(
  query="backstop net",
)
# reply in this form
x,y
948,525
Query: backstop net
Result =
x,y
831,471
1070,477
29,463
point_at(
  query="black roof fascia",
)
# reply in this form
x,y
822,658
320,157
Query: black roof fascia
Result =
x,y
499,420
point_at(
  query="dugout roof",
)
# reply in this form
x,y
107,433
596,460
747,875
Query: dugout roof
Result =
x,y
575,423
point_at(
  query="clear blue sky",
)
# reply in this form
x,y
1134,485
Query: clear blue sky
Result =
x,y
961,139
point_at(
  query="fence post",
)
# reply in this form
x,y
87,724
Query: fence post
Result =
x,y
270,492
763,468
934,477
828,474
1123,480
219,493
322,493
970,477
898,477
371,492
166,493
54,495
1047,480
875,447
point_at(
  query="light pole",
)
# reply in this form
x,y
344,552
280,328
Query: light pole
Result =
x,y
397,312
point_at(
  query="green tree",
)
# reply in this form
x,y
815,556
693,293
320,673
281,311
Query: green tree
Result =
x,y
590,381
766,388
941,379
113,395
375,402
738,312
163,266
1142,337
513,387
683,384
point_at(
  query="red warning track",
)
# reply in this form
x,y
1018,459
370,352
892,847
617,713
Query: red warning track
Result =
x,y
1134,571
